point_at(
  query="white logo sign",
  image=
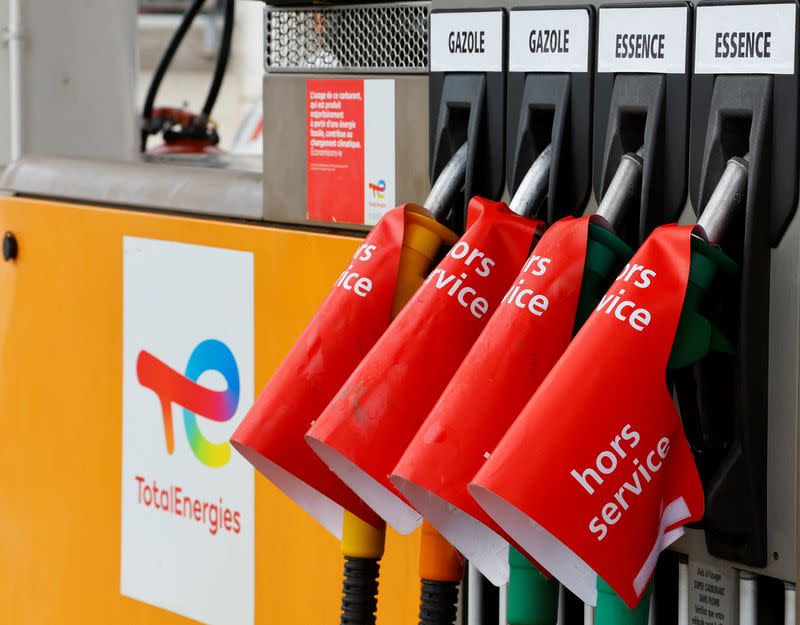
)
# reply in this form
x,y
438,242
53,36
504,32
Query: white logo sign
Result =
x,y
187,501
549,41
651,40
471,41
745,39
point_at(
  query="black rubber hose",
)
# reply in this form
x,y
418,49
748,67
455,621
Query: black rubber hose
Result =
x,y
222,60
438,603
360,591
163,65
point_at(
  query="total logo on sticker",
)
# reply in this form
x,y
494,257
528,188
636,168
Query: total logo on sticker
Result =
x,y
378,189
197,400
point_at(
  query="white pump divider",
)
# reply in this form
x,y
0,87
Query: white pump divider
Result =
x,y
748,599
588,614
502,612
474,594
789,604
651,615
683,593
561,600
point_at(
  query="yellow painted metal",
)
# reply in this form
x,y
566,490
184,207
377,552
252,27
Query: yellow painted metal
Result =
x,y
60,408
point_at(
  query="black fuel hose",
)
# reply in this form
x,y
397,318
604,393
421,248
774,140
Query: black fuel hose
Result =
x,y
164,62
360,591
438,603
163,65
222,60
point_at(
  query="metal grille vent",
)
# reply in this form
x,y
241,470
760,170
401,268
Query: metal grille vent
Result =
x,y
371,38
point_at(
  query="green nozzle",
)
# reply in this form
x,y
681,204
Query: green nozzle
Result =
x,y
532,599
696,336
605,255
611,610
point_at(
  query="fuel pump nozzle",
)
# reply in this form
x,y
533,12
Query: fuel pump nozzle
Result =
x,y
696,336
449,181
441,566
533,599
623,192
362,544
533,188
727,197
604,247
625,189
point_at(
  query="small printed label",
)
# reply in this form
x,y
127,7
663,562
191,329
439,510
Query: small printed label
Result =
x,y
350,150
710,595
470,41
649,40
745,39
549,41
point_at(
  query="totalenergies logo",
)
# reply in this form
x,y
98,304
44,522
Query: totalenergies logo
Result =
x,y
196,400
378,189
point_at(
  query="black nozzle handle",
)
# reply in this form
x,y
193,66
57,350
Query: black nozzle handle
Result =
x,y
447,184
533,188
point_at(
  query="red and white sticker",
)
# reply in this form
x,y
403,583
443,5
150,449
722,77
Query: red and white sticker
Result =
x,y
350,150
595,477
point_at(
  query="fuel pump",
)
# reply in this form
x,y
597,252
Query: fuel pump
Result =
x,y
441,565
533,600
467,101
732,402
433,472
695,337
639,100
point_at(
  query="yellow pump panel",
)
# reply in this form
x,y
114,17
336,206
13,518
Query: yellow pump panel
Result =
x,y
61,409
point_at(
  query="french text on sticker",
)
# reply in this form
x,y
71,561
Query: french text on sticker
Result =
x,y
606,463
523,297
350,280
626,310
467,296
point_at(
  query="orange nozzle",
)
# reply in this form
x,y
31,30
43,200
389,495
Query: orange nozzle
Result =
x,y
438,559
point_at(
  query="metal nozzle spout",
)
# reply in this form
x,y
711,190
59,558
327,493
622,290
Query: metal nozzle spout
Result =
x,y
447,184
533,188
625,189
728,195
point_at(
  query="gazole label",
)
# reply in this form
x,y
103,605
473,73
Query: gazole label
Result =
x,y
549,40
745,39
649,40
468,41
